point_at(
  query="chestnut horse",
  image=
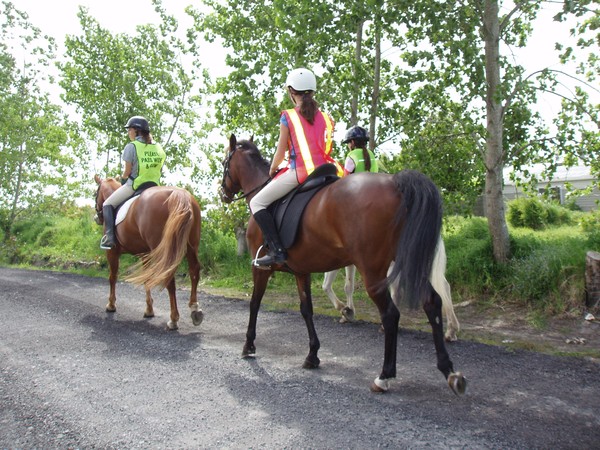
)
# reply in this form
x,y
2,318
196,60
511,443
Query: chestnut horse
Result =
x,y
162,226
437,278
367,220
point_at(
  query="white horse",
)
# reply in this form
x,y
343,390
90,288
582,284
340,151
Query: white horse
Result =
x,y
437,278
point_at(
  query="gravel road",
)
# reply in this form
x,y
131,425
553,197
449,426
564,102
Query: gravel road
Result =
x,y
74,376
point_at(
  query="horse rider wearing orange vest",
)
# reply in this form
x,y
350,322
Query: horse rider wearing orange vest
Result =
x,y
306,134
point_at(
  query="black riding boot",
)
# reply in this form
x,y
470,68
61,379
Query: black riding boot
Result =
x,y
108,240
276,254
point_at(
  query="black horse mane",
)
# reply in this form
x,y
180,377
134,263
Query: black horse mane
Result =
x,y
251,149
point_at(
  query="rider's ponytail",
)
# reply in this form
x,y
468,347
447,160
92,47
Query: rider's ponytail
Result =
x,y
367,159
308,106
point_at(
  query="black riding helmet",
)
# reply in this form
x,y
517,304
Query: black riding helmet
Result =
x,y
356,133
138,122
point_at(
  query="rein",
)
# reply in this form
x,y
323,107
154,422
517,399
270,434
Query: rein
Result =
x,y
243,196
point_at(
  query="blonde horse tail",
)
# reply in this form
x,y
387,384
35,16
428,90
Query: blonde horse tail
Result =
x,y
442,287
158,267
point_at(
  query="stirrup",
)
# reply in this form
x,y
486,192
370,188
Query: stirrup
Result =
x,y
105,245
274,259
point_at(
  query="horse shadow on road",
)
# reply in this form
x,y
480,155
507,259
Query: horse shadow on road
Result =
x,y
141,338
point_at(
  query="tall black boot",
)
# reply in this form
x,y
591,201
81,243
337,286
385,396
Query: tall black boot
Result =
x,y
276,254
108,240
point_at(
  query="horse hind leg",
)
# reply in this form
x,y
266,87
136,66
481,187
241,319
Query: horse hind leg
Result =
x,y
433,309
194,273
390,318
173,322
149,312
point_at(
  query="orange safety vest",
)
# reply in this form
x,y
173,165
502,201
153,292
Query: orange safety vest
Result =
x,y
311,144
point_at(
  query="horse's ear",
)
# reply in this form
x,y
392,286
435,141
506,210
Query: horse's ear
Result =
x,y
232,142
252,138
97,179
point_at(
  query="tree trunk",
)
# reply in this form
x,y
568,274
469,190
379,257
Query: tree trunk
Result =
x,y
494,157
242,244
376,82
592,280
355,74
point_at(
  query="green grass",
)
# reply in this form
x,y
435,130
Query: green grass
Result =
x,y
546,272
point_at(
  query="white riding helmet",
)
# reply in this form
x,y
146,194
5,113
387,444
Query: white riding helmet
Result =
x,y
301,80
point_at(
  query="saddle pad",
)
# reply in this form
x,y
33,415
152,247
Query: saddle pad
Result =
x,y
122,212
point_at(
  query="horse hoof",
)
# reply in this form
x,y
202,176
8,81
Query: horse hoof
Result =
x,y
197,317
347,315
111,310
451,337
311,364
380,386
171,326
249,351
457,382
148,316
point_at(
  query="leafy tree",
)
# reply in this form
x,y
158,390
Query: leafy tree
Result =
x,y
150,72
417,72
39,148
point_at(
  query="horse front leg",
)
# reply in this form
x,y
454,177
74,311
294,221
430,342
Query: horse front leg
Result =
x,y
194,273
348,311
390,318
149,312
328,279
433,310
306,309
113,264
260,278
172,324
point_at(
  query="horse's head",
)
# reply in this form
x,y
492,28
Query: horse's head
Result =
x,y
240,162
105,188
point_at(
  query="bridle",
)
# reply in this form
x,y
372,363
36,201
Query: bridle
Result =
x,y
228,194
99,218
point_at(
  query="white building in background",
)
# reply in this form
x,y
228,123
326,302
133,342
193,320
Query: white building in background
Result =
x,y
579,177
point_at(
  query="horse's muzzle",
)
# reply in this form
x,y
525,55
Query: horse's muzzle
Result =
x,y
99,219
224,197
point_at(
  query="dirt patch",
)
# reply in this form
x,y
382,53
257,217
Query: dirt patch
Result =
x,y
511,326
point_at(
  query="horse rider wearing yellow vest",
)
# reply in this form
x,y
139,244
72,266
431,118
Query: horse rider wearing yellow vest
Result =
x,y
306,135
360,158
143,159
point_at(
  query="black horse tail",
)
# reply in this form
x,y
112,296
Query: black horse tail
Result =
x,y
419,219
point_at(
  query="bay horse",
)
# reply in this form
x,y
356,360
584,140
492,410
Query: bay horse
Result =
x,y
437,279
162,226
367,220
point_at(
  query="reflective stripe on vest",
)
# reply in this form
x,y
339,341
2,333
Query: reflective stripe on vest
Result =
x,y
151,158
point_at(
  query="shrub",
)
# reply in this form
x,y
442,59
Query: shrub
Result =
x,y
590,225
533,213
